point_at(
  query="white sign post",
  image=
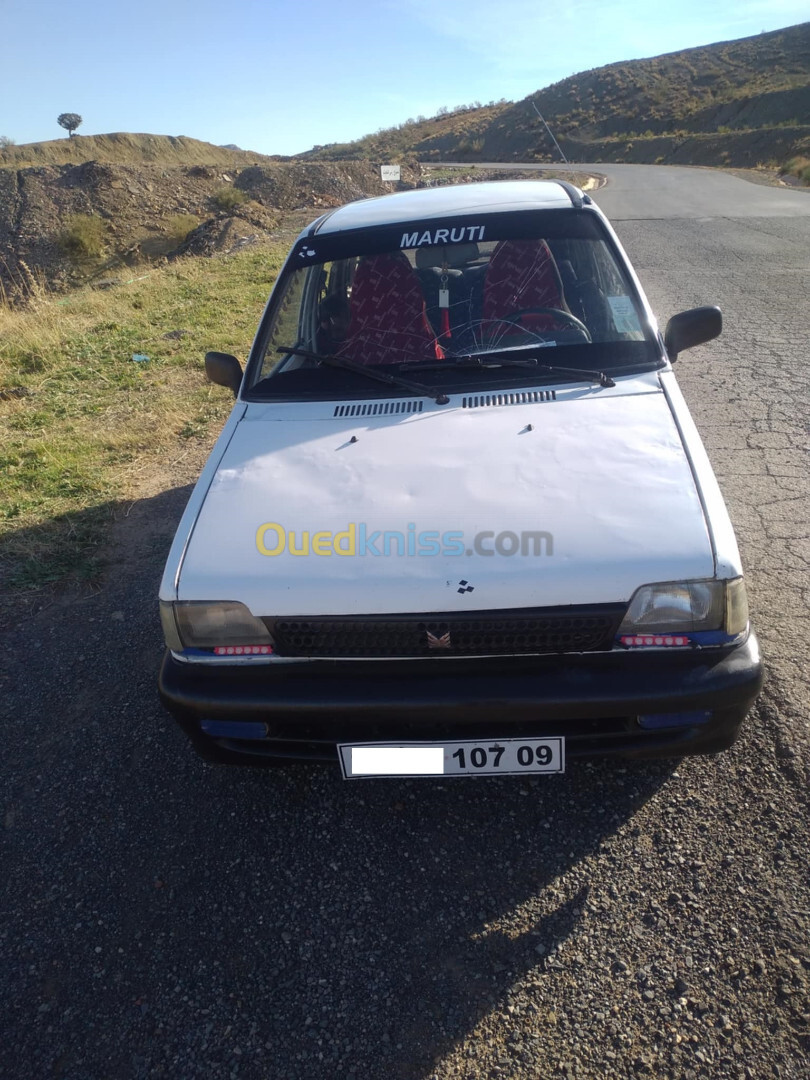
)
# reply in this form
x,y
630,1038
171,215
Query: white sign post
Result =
x,y
390,172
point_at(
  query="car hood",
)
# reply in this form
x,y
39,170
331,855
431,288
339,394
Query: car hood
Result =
x,y
495,501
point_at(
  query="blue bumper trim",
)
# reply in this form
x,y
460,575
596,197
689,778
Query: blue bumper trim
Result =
x,y
657,721
234,729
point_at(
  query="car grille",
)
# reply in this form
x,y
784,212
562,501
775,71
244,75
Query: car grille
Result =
x,y
477,633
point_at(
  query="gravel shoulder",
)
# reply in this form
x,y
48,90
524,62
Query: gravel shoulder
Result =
x,y
162,917
769,178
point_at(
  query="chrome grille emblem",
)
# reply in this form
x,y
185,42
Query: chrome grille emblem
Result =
x,y
438,642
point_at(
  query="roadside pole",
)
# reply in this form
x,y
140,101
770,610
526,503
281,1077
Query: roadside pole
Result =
x,y
551,136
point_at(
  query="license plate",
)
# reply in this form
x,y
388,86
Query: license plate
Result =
x,y
473,757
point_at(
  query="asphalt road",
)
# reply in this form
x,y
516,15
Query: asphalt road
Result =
x,y
164,918
652,192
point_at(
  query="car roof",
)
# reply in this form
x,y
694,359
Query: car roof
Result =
x,y
454,200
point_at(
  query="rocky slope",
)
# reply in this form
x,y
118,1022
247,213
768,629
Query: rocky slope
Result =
x,y
139,202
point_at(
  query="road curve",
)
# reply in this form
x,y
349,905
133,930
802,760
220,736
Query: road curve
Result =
x,y
639,192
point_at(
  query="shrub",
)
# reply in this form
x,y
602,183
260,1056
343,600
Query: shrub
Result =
x,y
83,237
805,175
228,198
797,166
180,225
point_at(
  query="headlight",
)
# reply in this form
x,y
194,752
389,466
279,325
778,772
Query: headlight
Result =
x,y
736,606
688,606
202,624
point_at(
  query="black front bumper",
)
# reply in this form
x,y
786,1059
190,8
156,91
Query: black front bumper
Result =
x,y
594,700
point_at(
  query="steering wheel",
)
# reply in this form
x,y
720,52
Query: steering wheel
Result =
x,y
556,313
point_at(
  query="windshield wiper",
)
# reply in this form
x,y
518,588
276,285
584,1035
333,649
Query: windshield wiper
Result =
x,y
490,360
360,369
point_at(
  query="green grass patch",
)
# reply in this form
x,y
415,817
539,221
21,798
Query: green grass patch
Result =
x,y
228,198
91,421
180,225
84,236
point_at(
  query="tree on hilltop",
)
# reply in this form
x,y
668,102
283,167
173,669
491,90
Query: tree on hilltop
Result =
x,y
70,121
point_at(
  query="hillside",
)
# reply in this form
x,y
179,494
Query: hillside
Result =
x,y
725,91
126,148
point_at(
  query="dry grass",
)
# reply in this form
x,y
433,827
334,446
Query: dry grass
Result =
x,y
80,419
798,167
125,148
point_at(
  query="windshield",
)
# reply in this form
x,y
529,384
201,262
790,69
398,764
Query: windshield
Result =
x,y
402,296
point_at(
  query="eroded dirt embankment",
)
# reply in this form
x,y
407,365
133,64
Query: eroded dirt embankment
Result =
x,y
138,202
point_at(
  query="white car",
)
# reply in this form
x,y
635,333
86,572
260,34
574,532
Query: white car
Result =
x,y
460,520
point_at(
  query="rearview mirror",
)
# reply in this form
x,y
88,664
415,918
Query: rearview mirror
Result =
x,y
690,328
224,370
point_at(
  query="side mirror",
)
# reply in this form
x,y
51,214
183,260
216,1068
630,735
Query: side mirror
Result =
x,y
224,370
690,328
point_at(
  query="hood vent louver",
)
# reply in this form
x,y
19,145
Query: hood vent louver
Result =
x,y
379,408
523,397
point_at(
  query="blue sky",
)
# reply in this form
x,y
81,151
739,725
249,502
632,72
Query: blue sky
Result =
x,y
280,77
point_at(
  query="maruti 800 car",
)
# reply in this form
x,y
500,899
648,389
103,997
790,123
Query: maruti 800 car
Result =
x,y
460,520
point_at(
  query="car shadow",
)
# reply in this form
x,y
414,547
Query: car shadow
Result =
x,y
441,897
320,928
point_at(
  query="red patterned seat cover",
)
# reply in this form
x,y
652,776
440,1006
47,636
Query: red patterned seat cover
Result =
x,y
522,274
387,321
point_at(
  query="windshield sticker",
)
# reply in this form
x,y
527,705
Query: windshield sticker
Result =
x,y
467,233
624,314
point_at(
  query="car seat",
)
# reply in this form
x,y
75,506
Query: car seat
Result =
x,y
387,323
521,274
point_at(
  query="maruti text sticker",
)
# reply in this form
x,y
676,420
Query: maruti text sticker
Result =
x,y
468,233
